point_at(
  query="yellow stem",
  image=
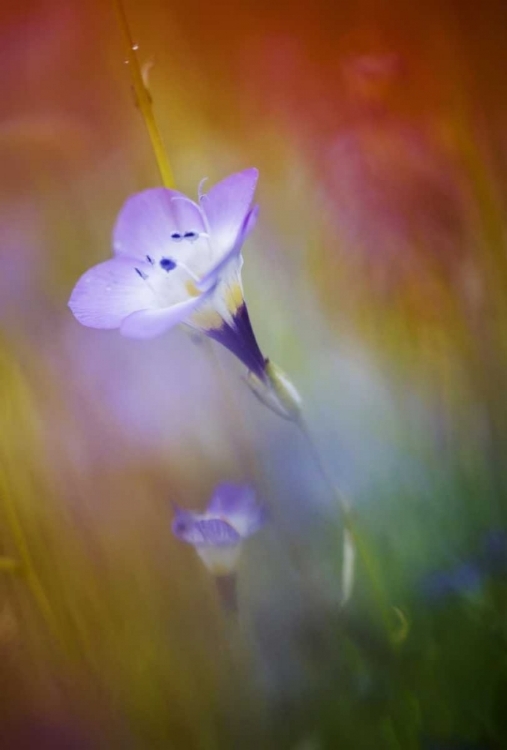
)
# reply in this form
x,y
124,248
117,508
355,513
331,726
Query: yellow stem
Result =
x,y
144,100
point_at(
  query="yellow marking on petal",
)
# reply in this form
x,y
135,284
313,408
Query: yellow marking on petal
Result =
x,y
234,297
192,289
207,319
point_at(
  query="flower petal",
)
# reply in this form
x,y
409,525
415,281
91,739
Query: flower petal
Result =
x,y
226,206
238,336
203,532
217,533
108,293
236,504
228,301
148,219
220,561
221,265
147,324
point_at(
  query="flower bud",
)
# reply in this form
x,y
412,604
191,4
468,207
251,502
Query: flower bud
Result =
x,y
276,391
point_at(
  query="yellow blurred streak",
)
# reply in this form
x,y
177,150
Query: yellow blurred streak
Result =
x,y
8,564
15,392
127,602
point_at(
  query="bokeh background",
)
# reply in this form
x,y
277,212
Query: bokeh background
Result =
x,y
376,277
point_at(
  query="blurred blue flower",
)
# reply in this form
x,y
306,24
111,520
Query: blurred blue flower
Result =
x,y
465,578
469,576
232,516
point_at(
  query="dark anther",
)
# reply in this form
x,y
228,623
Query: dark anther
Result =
x,y
150,259
141,274
167,264
190,235
176,236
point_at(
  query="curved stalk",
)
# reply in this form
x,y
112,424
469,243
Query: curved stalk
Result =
x,y
352,536
144,99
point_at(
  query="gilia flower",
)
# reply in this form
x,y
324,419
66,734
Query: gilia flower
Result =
x,y
232,516
177,261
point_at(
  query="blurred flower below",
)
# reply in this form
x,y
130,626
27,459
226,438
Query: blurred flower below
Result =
x,y
232,516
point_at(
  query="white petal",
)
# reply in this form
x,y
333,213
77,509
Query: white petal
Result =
x,y
226,207
147,324
148,219
220,561
108,293
226,274
237,505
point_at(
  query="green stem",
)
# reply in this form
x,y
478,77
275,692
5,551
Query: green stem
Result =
x,y
144,100
350,525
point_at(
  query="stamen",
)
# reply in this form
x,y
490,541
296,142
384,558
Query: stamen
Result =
x,y
191,236
187,269
167,264
143,275
150,260
201,185
185,198
197,206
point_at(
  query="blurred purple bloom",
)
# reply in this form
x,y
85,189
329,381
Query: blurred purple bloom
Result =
x,y
232,515
470,575
463,579
177,261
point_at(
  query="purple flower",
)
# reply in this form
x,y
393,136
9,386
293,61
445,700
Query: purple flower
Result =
x,y
177,261
232,515
470,576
